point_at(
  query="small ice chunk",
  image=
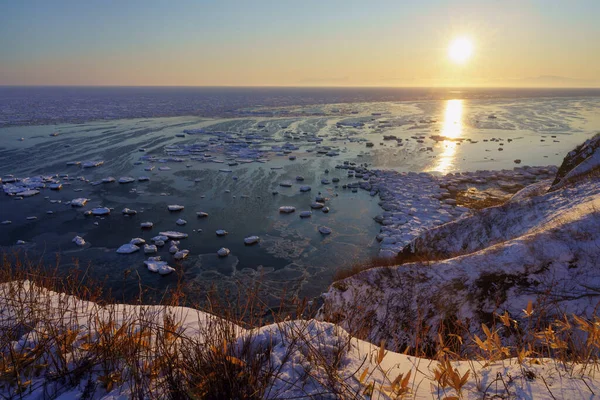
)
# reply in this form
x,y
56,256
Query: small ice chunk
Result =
x,y
316,205
150,249
28,193
201,214
325,210
6,222
221,232
146,225
126,179
78,240
128,211
305,188
165,269
144,178
109,179
100,211
160,237
173,249
92,164
223,252
181,222
175,207
181,254
174,234
324,230
251,240
287,209
137,241
285,184
19,242
79,202
127,249
305,214
55,186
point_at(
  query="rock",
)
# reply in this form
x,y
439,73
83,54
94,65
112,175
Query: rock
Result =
x,y
221,232
126,179
99,211
287,209
127,211
175,207
78,240
174,235
79,202
251,240
517,161
325,230
305,214
181,254
137,241
223,252
128,249
181,222
201,214
150,249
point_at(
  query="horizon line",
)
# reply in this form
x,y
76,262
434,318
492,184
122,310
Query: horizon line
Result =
x,y
295,86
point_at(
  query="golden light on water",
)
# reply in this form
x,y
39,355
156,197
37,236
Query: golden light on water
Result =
x,y
452,129
460,50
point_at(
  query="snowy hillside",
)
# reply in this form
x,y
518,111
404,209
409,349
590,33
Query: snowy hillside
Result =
x,y
541,246
299,359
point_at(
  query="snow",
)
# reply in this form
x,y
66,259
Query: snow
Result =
x,y
538,242
304,353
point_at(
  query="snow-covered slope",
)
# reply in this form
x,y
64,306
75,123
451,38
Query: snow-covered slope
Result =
x,y
540,246
312,359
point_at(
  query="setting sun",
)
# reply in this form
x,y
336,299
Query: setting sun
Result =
x,y
460,50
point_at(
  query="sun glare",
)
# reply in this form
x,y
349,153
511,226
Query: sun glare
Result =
x,y
460,50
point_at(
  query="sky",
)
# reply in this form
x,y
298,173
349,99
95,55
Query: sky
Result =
x,y
299,43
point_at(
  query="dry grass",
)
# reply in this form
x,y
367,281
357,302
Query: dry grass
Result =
x,y
464,200
51,344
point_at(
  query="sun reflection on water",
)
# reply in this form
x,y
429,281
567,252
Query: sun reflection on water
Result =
x,y
452,129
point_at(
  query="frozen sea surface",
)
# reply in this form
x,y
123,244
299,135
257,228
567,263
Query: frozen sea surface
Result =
x,y
232,169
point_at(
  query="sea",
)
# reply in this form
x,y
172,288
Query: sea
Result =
x,y
226,151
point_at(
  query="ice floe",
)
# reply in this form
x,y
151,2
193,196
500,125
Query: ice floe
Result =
x,y
128,249
251,240
223,252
